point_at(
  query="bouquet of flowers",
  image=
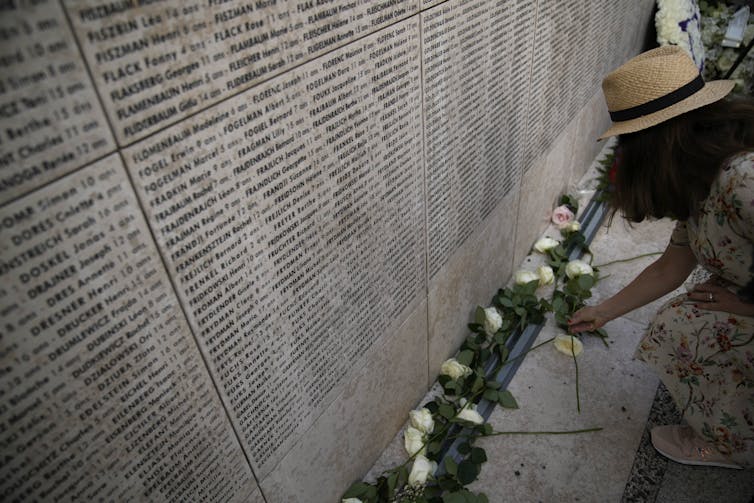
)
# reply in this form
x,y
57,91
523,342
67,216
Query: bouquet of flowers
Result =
x,y
678,23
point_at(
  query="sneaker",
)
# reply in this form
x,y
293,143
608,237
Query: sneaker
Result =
x,y
681,444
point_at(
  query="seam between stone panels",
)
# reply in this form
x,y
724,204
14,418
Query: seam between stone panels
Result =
x,y
119,152
524,154
425,193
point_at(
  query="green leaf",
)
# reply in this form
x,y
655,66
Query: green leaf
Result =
x,y
402,475
357,490
484,355
432,492
586,281
446,411
490,394
392,482
479,316
475,327
451,388
471,342
530,287
465,357
570,201
478,384
487,429
451,466
434,447
382,489
467,472
501,338
504,352
456,497
493,385
464,448
558,304
506,400
449,483
505,301
478,456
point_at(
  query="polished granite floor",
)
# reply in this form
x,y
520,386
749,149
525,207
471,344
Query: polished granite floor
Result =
x,y
617,393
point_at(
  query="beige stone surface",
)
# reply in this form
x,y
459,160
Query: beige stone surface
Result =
x,y
472,276
50,118
157,65
616,393
339,448
256,497
540,188
592,121
202,53
619,241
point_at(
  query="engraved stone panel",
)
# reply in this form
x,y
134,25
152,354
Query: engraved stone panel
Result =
x,y
158,63
574,40
104,393
52,122
292,221
474,104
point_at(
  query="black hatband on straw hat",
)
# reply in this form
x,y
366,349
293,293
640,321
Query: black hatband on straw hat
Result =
x,y
660,103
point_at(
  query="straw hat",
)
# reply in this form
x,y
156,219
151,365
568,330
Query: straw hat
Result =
x,y
656,86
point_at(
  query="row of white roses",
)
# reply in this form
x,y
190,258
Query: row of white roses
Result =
x,y
421,423
544,273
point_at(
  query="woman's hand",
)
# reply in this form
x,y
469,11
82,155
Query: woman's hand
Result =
x,y
587,319
713,297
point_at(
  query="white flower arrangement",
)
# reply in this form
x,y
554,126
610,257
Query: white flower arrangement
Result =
x,y
678,23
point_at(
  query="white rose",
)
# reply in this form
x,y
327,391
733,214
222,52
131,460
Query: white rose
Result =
x,y
413,441
422,420
576,268
351,500
470,414
492,320
544,244
573,226
546,275
568,344
452,368
421,470
523,277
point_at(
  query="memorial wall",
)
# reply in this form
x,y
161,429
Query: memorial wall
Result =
x,y
237,237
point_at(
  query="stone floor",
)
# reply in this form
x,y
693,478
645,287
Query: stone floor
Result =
x,y
617,393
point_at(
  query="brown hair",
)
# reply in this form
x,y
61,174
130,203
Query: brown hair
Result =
x,y
667,170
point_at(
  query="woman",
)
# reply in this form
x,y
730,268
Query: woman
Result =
x,y
687,152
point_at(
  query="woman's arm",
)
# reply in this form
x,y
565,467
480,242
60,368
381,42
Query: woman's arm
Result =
x,y
661,277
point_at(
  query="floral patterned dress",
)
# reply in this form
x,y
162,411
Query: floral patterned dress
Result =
x,y
706,358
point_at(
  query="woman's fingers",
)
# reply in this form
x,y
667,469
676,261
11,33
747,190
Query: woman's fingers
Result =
x,y
586,326
708,293
583,320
